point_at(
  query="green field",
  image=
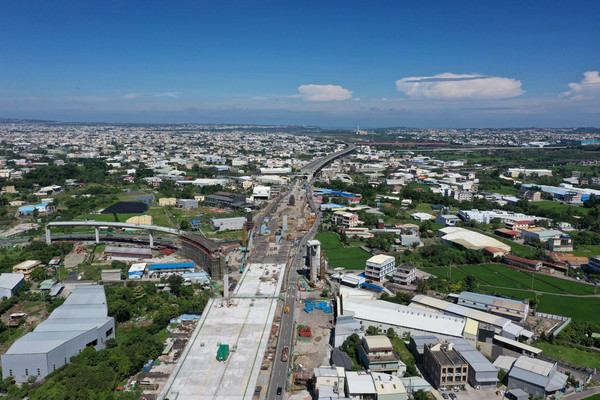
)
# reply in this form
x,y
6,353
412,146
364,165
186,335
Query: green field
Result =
x,y
587,250
560,207
489,277
501,276
444,272
593,397
580,308
340,256
107,217
159,217
571,354
423,207
510,293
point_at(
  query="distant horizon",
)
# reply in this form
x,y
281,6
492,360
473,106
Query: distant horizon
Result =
x,y
250,124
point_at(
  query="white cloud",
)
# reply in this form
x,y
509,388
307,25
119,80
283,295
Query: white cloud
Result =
x,y
168,94
130,96
460,86
324,92
588,87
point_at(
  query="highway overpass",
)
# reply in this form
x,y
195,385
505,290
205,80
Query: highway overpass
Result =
x,y
119,225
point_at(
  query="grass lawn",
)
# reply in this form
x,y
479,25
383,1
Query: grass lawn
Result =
x,y
340,256
423,207
576,356
414,186
159,217
107,217
400,348
510,293
444,272
579,308
560,207
587,250
593,397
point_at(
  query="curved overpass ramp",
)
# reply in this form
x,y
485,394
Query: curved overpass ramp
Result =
x,y
97,224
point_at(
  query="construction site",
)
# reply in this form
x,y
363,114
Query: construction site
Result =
x,y
245,320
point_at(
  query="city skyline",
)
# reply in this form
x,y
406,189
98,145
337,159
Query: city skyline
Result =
x,y
331,65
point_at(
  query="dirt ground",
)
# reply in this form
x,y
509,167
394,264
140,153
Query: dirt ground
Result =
x,y
316,352
73,259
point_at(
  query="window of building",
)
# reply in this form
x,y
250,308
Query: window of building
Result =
x,y
26,372
10,372
38,371
53,367
109,332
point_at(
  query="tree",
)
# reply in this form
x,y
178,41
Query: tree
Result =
x,y
372,330
420,395
184,225
175,282
38,274
391,333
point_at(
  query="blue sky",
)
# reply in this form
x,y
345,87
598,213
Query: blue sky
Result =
x,y
327,63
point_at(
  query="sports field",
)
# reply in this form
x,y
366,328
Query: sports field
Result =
x,y
340,256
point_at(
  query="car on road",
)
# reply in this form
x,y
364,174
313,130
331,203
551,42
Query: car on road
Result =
x,y
445,396
279,391
453,396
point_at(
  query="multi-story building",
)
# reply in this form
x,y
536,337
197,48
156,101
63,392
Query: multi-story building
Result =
x,y
379,266
377,354
405,274
446,368
346,219
26,267
593,265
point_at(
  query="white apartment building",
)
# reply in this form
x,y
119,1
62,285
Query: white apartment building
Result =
x,y
379,266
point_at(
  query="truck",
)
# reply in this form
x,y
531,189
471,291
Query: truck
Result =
x,y
287,309
223,352
285,354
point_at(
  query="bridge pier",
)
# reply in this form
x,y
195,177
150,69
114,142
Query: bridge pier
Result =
x,y
151,238
97,231
48,236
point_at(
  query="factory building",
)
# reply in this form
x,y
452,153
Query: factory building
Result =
x,y
512,309
488,325
9,283
403,319
536,377
158,270
80,322
469,240
227,224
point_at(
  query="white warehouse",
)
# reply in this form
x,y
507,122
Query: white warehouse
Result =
x,y
80,322
227,224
